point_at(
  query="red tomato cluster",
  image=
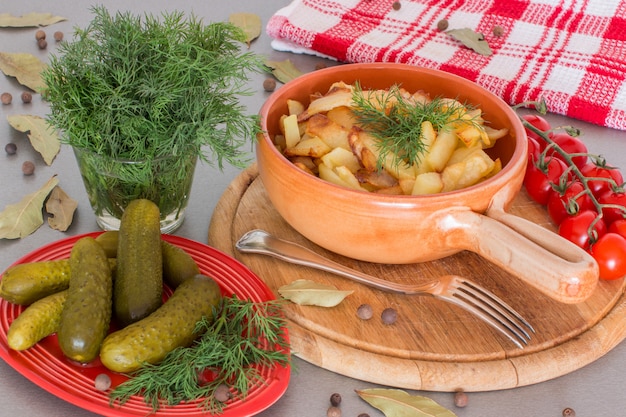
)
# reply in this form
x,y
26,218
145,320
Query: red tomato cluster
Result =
x,y
575,204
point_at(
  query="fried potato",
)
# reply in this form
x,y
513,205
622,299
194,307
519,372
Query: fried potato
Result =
x,y
427,183
326,140
311,146
341,157
291,130
467,172
334,134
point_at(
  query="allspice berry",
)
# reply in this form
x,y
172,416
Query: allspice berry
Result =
x,y
222,393
6,98
333,412
498,31
460,399
569,412
102,382
58,36
335,399
442,25
365,312
42,44
40,34
28,168
27,97
10,148
269,84
389,316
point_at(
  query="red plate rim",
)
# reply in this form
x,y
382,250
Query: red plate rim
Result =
x,y
45,365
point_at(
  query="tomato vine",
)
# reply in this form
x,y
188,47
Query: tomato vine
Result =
x,y
585,196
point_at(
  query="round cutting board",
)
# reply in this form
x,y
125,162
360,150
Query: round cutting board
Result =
x,y
433,345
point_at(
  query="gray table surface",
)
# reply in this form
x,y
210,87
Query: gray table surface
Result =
x,y
596,390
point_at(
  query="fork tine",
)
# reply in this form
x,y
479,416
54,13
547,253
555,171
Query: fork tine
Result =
x,y
500,305
510,332
491,309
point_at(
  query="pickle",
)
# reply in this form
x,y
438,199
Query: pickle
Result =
x,y
40,319
138,287
26,283
178,265
171,326
86,316
109,240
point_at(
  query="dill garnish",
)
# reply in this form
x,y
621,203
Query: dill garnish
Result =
x,y
245,337
395,119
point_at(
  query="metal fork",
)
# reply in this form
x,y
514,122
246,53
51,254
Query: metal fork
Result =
x,y
451,288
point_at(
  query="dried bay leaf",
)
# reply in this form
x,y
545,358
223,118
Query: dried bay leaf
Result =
x,y
398,403
62,207
471,39
250,23
43,138
284,71
33,19
26,68
21,219
306,292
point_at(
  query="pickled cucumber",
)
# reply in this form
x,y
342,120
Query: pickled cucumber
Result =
x,y
109,241
26,283
171,326
178,265
86,316
138,287
40,319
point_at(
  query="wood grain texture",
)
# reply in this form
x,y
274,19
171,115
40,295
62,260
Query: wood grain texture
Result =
x,y
433,345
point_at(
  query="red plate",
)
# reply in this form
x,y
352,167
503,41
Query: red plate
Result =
x,y
45,365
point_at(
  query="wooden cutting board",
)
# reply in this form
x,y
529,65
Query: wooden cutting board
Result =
x,y
433,345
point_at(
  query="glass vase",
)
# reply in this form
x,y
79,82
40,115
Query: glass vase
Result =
x,y
112,183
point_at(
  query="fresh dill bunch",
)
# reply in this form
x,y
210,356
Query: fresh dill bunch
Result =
x,y
145,88
245,337
395,120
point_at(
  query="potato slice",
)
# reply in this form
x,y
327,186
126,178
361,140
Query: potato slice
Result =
x,y
467,172
441,150
341,157
342,115
331,175
295,107
427,183
338,98
334,134
291,130
313,147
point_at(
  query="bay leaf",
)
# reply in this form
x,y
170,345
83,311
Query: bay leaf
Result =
x,y
43,137
307,292
62,207
398,403
26,68
471,39
250,23
33,19
23,218
284,71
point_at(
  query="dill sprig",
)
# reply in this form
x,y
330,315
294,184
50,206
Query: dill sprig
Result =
x,y
245,337
395,120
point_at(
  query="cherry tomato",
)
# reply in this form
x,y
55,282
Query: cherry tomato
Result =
x,y
568,202
571,145
610,254
540,177
612,214
541,124
533,151
576,228
599,186
619,227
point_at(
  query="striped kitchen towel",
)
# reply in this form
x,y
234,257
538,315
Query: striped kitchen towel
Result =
x,y
571,53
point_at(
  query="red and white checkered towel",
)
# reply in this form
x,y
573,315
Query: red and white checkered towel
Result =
x,y
572,53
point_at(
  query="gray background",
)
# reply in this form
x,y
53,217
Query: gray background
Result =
x,y
596,390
